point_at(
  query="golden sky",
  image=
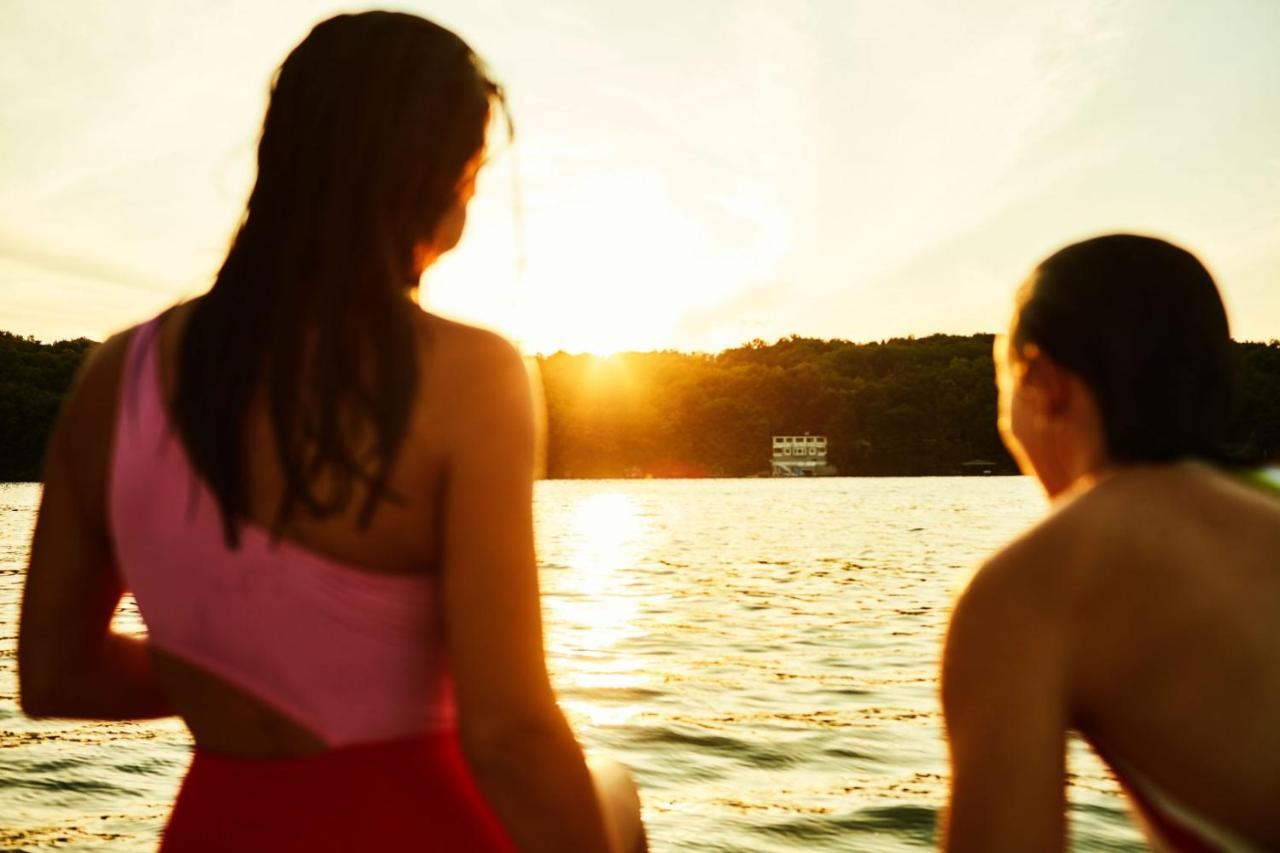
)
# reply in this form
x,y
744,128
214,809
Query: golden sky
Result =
x,y
693,174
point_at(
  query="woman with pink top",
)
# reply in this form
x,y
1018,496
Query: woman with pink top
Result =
x,y
321,498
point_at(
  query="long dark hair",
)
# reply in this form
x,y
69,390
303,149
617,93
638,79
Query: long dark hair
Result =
x,y
1142,323
372,120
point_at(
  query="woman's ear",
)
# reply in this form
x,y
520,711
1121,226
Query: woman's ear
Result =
x,y
1045,381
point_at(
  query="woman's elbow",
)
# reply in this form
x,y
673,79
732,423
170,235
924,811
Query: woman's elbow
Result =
x,y
37,701
41,693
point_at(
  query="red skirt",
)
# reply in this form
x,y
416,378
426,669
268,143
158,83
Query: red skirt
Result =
x,y
413,794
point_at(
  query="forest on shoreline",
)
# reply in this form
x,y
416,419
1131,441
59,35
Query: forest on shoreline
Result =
x,y
907,406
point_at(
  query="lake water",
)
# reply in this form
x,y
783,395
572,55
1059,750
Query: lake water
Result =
x,y
762,653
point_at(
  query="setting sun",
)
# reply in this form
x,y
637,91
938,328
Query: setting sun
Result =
x,y
580,425
872,177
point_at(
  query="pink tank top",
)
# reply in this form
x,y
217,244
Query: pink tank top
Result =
x,y
350,655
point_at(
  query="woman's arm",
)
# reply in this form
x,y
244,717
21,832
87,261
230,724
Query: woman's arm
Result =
x,y
70,663
1006,720
519,746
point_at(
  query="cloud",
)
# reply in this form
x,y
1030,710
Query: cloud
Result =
x,y
79,265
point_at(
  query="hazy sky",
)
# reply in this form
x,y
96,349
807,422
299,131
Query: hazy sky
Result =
x,y
694,173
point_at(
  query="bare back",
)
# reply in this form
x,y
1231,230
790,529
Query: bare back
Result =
x,y
1144,613
1175,637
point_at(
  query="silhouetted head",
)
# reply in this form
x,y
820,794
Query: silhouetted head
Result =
x,y
1119,353
374,131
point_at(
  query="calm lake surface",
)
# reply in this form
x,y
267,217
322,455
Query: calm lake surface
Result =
x,y
762,653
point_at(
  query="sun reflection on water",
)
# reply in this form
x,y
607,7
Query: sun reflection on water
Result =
x,y
608,530
592,605
607,535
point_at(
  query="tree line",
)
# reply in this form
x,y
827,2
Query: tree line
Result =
x,y
34,377
907,406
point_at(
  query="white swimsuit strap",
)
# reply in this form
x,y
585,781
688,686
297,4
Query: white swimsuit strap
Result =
x,y
1219,837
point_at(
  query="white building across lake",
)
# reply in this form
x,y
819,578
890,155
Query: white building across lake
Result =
x,y
800,456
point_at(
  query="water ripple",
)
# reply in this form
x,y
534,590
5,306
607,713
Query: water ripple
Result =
x,y
762,653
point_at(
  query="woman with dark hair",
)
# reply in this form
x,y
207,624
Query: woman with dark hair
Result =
x,y
321,498
1144,612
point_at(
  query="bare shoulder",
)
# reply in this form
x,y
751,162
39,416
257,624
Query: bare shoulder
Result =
x,y
1160,516
91,402
455,343
1042,569
104,363
1157,489
79,448
472,372
1022,602
1009,627
1144,529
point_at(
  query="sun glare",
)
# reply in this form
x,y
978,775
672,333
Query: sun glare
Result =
x,y
607,534
608,530
592,610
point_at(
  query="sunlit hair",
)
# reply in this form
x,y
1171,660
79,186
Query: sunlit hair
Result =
x,y
1141,322
372,121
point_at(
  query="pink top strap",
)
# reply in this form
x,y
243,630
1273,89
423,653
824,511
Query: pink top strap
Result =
x,y
351,655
